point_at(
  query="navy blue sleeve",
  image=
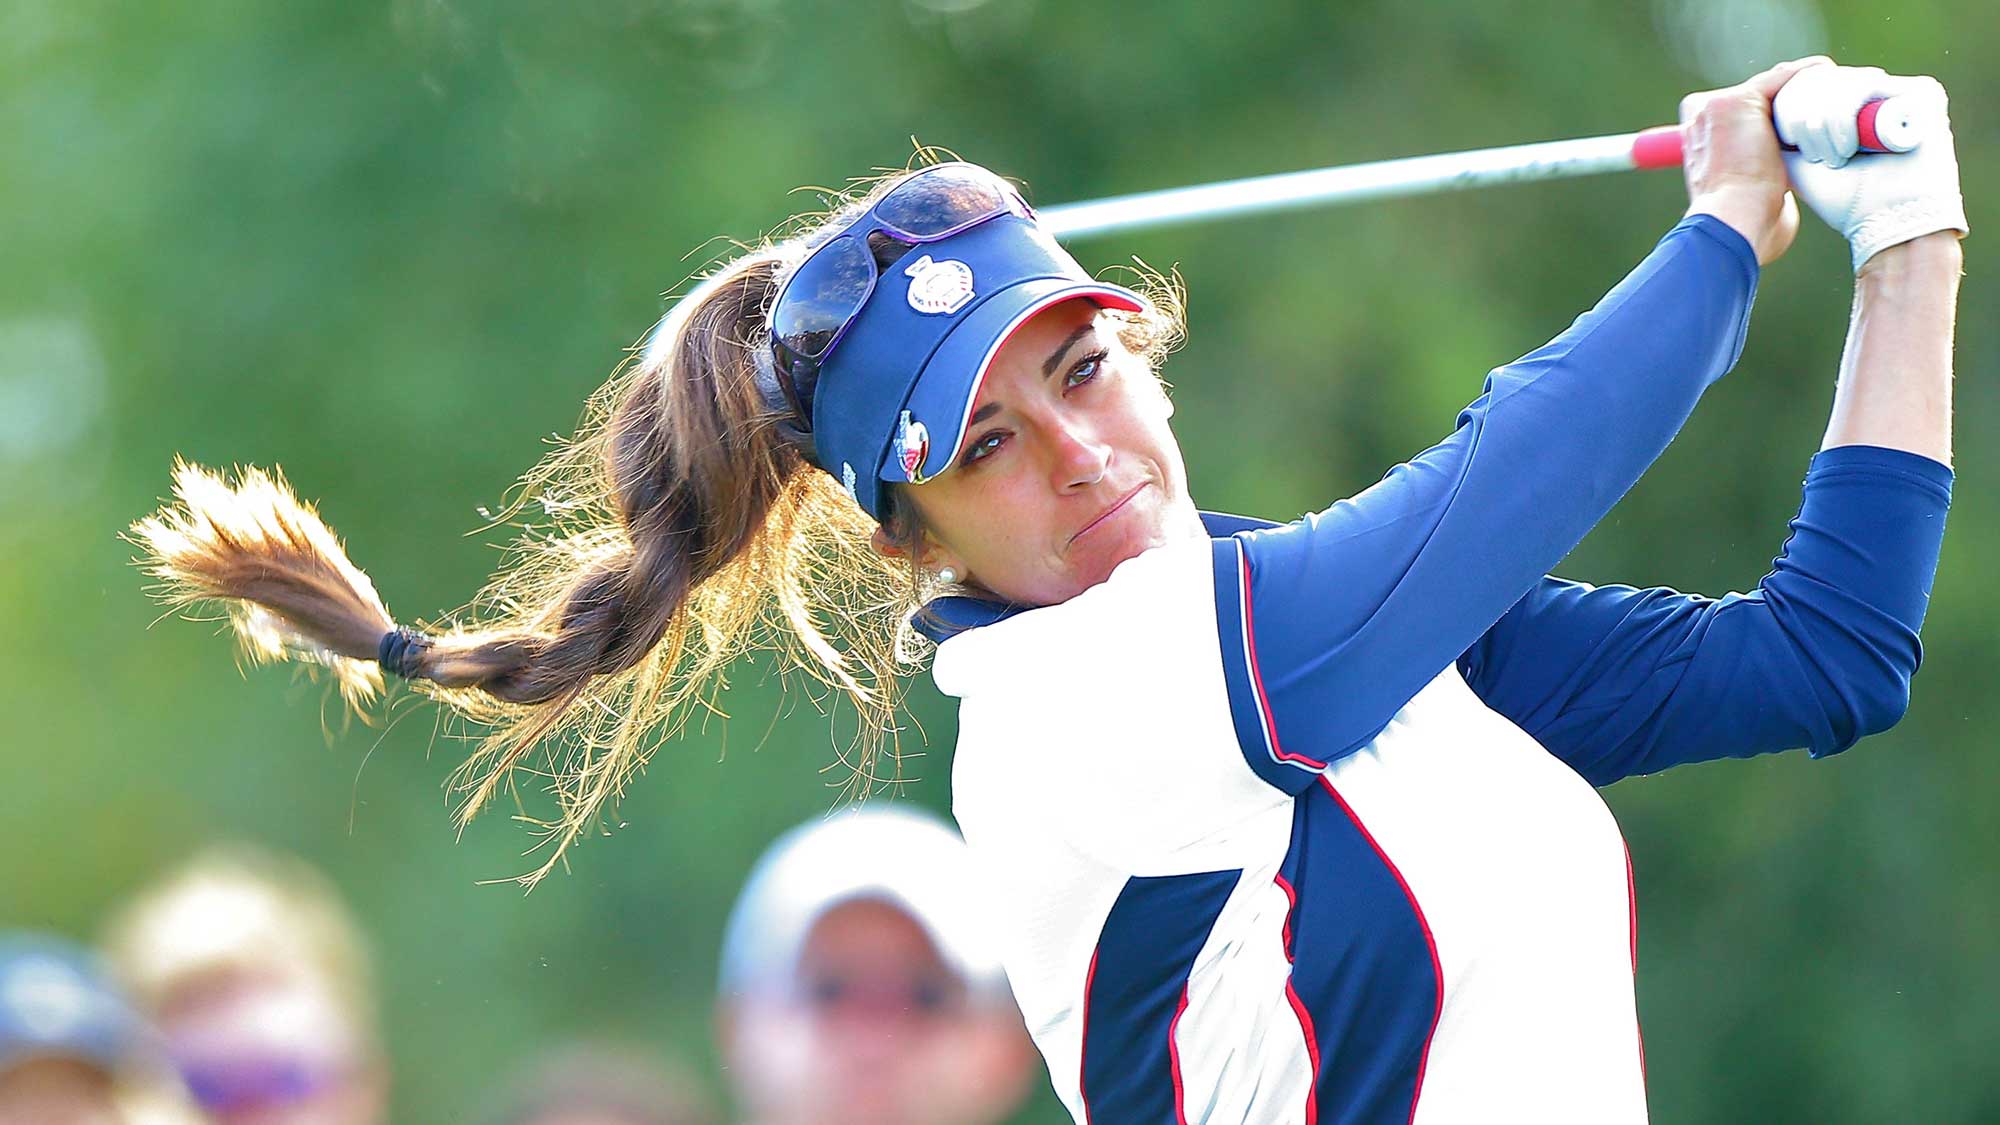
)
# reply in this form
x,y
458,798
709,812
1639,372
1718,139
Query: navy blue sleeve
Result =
x,y
1618,681
1331,623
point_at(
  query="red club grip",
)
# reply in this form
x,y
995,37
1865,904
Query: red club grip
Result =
x,y
1659,147
1871,141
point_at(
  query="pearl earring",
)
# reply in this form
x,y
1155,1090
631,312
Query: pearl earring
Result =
x,y
947,576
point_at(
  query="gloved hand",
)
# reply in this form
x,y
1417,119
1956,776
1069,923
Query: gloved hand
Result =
x,y
1875,199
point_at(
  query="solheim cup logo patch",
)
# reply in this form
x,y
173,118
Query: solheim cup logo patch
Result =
x,y
913,444
939,288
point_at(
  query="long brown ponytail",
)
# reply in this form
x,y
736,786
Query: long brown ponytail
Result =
x,y
680,528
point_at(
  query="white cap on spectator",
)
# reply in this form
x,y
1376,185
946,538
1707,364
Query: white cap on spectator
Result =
x,y
876,851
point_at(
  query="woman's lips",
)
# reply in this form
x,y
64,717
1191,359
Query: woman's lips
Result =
x,y
1111,511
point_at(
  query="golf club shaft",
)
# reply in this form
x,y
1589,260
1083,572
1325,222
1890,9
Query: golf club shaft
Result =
x,y
1417,175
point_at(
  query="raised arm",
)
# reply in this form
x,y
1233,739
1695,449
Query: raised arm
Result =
x,y
1330,624
1902,214
1619,681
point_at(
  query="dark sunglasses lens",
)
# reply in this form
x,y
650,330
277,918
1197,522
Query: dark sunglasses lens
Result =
x,y
932,202
822,296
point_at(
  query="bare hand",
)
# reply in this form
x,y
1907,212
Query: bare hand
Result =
x,y
1734,169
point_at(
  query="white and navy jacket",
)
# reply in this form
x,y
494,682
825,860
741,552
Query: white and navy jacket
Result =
x,y
1295,823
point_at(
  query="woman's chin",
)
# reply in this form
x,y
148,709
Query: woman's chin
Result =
x,y
1143,524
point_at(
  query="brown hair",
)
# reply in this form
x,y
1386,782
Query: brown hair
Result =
x,y
683,526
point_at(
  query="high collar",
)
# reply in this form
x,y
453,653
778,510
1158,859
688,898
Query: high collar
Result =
x,y
943,618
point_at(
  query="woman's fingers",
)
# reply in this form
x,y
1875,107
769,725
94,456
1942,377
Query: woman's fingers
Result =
x,y
1771,81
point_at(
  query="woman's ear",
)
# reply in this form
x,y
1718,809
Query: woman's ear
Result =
x,y
886,545
931,555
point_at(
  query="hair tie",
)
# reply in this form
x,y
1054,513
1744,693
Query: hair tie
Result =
x,y
402,651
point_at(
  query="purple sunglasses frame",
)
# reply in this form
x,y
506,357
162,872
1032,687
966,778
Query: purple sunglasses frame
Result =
x,y
790,364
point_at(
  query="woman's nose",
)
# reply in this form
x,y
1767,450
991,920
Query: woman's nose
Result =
x,y
1080,457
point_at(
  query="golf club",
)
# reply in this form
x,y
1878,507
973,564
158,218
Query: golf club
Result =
x,y
1886,125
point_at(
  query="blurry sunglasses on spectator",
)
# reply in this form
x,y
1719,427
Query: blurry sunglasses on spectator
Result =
x,y
239,1084
929,996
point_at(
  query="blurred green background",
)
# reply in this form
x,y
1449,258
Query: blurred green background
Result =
x,y
391,246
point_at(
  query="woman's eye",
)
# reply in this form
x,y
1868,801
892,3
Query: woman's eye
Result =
x,y
1086,370
983,447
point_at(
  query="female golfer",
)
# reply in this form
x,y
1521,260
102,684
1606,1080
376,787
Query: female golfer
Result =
x,y
1278,822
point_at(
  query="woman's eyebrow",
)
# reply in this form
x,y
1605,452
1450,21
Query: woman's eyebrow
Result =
x,y
1056,356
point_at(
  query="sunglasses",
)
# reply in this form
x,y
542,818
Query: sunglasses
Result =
x,y
242,1084
824,295
922,996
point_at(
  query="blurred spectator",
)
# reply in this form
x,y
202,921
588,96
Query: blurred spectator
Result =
x,y
856,986
72,1052
260,985
604,1085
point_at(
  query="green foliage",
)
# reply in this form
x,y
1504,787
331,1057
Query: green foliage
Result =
x,y
392,246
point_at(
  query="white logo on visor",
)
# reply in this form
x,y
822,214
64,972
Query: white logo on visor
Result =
x,y
939,287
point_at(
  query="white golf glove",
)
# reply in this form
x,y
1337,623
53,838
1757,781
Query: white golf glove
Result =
x,y
1875,199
